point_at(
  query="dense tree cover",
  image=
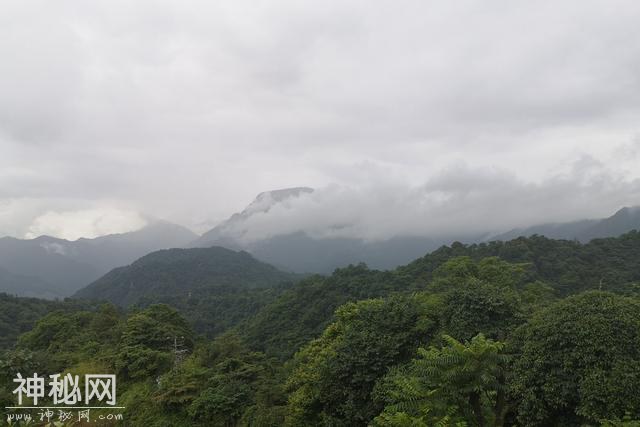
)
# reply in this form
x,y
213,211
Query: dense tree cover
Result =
x,y
464,299
338,371
214,288
79,340
218,309
581,353
301,313
559,267
568,266
188,273
453,384
465,376
455,339
18,315
166,377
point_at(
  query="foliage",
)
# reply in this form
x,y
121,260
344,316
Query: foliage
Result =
x,y
568,266
479,297
65,338
578,361
213,288
450,385
302,312
18,315
493,334
148,339
336,373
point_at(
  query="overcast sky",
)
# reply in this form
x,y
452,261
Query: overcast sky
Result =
x,y
496,113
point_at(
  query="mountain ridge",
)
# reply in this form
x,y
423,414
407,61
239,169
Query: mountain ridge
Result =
x,y
65,265
300,252
622,221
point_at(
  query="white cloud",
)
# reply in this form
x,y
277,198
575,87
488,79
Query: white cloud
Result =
x,y
458,202
186,110
72,225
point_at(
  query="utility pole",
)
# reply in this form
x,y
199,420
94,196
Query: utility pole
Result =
x,y
179,352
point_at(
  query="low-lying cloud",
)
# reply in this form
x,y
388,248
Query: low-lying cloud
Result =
x,y
186,110
72,225
458,202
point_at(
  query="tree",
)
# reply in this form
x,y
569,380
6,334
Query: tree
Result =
x,y
234,376
451,385
578,361
479,297
150,340
336,373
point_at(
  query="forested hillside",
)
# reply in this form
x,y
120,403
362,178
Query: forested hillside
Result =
x,y
531,332
55,268
565,267
623,221
214,288
568,266
18,315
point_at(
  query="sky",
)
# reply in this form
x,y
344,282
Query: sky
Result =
x,y
406,116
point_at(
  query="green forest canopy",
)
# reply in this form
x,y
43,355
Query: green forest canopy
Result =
x,y
531,332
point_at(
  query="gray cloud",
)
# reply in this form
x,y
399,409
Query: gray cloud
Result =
x,y
460,201
187,110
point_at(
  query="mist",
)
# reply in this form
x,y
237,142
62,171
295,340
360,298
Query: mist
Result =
x,y
406,117
460,201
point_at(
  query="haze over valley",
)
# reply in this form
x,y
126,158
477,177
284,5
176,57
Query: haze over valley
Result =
x,y
279,227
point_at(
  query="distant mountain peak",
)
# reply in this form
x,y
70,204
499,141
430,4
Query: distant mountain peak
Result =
x,y
267,199
177,273
68,265
227,232
284,193
622,221
627,211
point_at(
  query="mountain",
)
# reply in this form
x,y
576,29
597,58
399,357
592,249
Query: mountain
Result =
x,y
18,314
567,267
301,253
623,221
325,340
213,287
42,260
16,284
230,232
114,250
51,267
176,273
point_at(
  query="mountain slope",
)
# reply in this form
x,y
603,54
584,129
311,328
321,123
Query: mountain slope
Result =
x,y
623,221
302,312
230,232
18,315
15,284
176,273
66,266
115,250
626,219
300,252
214,288
567,265
41,259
